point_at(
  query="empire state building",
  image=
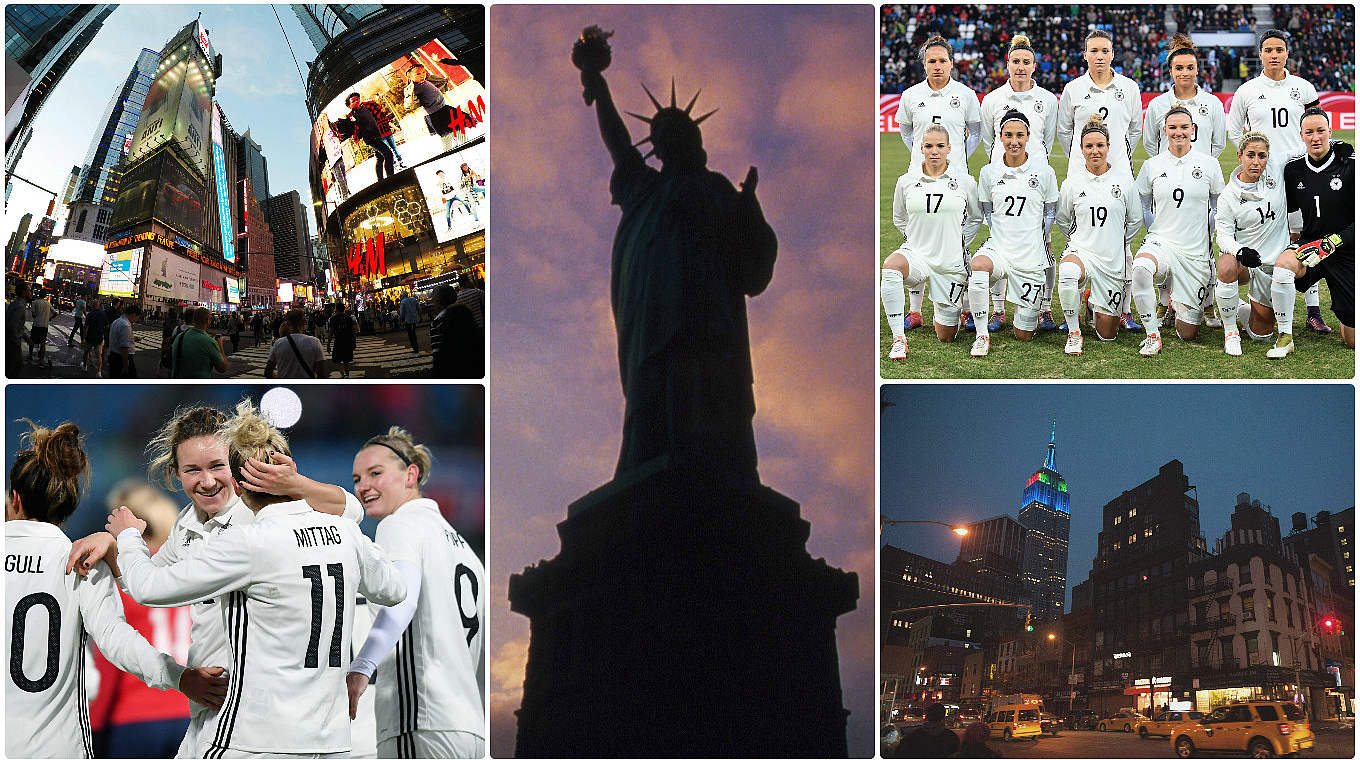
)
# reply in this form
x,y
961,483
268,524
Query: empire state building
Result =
x,y
1044,512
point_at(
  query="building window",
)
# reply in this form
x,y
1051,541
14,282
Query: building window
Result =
x,y
1270,607
1118,519
1248,607
1252,655
1147,531
80,223
1133,538
1289,613
1133,512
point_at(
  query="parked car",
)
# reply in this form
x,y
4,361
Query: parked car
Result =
x,y
1014,722
1049,723
1260,728
1165,722
1081,720
1126,720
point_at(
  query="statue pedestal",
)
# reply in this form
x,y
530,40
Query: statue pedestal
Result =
x,y
682,618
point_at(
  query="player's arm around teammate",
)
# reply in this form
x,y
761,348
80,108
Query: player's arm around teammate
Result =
x,y
1252,232
936,209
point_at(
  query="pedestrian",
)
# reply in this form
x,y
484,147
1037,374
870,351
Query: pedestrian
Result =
x,y
410,317
42,316
471,295
456,339
975,741
122,343
930,739
168,332
342,329
193,352
96,327
14,331
78,317
257,326
234,328
296,354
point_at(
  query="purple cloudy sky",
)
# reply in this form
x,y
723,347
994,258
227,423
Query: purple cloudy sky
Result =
x,y
794,85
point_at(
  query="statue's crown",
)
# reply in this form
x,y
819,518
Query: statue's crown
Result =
x,y
671,125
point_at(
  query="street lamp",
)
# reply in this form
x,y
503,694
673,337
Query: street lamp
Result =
x,y
958,529
1071,690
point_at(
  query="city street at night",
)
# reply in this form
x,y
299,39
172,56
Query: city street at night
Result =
x,y
1331,742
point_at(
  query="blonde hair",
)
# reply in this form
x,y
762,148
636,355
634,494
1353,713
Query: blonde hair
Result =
x,y
400,443
185,423
147,504
1252,137
50,473
1180,45
936,128
1021,42
250,436
1095,124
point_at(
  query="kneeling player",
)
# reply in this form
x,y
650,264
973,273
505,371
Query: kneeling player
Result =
x,y
1251,231
1179,191
1019,198
1320,189
1099,215
936,208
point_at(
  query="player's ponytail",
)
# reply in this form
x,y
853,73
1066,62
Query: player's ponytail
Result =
x,y
184,424
1096,124
400,443
50,473
250,436
1181,44
937,41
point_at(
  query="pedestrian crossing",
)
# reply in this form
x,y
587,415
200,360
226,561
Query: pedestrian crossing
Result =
x,y
373,357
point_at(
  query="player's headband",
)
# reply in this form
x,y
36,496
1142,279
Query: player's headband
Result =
x,y
394,450
1015,116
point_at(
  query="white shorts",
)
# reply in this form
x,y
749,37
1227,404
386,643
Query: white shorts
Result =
x,y
947,286
1107,287
1191,279
188,746
1258,288
460,744
1025,289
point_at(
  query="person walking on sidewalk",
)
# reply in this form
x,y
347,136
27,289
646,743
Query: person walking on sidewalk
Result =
x,y
78,315
410,316
42,317
15,312
122,343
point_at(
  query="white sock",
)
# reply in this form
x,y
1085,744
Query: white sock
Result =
x,y
1229,301
894,297
917,296
1046,301
978,287
999,296
1069,282
1128,286
1145,294
1208,299
1282,299
1310,297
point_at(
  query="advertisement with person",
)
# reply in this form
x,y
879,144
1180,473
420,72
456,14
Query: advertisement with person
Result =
x,y
455,189
156,124
418,107
137,194
179,203
120,273
192,119
171,276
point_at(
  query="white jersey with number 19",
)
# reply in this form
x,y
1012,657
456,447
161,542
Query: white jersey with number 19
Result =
x,y
48,614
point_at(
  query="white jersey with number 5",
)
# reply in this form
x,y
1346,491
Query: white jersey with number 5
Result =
x,y
432,680
1275,108
953,107
287,584
47,616
1181,190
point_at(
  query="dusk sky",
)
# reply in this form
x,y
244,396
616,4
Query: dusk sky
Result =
x,y
259,90
958,453
779,77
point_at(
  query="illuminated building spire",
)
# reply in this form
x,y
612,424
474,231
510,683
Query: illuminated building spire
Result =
x,y
1049,463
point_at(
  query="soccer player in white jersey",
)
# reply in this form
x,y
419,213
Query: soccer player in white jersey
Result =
x,y
1179,189
1273,103
1253,230
49,613
1206,110
189,453
288,582
936,208
1019,198
945,101
431,647
1040,106
1100,213
1112,95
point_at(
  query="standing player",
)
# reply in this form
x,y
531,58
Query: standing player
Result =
x,y
939,100
1100,215
1273,103
1040,106
1179,190
431,646
289,580
1100,90
936,208
1320,188
1019,198
49,613
1252,230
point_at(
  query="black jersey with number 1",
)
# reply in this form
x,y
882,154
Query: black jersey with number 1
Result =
x,y
1324,193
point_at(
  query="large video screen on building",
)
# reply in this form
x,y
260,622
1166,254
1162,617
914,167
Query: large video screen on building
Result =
x,y
180,199
456,191
417,107
137,194
120,273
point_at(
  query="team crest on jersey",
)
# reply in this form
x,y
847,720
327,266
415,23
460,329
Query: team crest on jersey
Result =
x,y
1115,191
1034,183
953,184
1197,173
1294,94
1336,183
1270,183
1038,107
1118,94
1203,109
954,102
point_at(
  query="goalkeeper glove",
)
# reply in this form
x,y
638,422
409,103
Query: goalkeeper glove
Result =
x,y
1312,254
1248,257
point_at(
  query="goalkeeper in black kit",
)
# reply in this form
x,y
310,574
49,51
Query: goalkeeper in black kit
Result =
x,y
1320,191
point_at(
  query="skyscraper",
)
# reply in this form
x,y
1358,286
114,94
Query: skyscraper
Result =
x,y
323,21
1045,513
288,222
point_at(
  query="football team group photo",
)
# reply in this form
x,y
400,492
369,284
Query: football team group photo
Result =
x,y
1166,191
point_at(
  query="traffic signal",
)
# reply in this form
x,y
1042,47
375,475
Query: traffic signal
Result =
x,y
1029,624
1331,625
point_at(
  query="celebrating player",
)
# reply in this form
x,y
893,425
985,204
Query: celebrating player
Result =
x,y
1206,111
1252,230
1320,191
1019,196
1040,106
1100,215
1179,190
936,208
50,613
1273,103
1100,90
941,100
289,581
430,647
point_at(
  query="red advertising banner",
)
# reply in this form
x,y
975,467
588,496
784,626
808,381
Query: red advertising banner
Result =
x,y
1340,105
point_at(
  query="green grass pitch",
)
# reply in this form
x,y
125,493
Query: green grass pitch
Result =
x,y
1317,356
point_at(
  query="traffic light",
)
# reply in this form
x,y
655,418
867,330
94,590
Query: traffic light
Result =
x,y
1029,623
1330,625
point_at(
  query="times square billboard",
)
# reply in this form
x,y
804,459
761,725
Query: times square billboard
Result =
x,y
430,105
178,107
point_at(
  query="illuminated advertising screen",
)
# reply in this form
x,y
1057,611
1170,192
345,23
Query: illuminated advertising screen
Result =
x,y
75,251
223,200
171,276
157,122
180,199
285,292
137,194
233,290
429,103
455,189
194,115
120,273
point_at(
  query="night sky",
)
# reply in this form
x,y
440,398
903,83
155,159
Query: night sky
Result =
x,y
963,452
777,75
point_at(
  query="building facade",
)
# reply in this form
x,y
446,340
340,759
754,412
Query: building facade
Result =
x,y
292,239
1045,513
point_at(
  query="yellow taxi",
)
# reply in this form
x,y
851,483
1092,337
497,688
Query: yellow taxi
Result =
x,y
1014,722
1163,723
1261,728
1127,719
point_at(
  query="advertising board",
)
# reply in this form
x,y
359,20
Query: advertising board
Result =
x,y
456,191
171,276
180,199
120,273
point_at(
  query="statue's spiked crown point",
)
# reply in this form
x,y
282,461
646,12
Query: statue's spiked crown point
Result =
x,y
670,122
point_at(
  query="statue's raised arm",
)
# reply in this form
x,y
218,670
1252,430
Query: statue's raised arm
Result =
x,y
591,55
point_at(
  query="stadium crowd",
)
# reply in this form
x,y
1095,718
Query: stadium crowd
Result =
x,y
1321,35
